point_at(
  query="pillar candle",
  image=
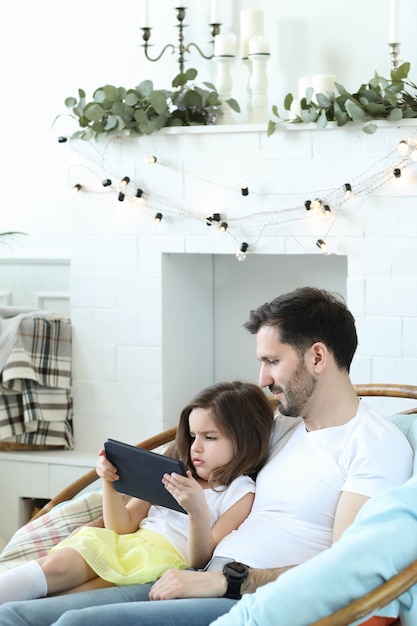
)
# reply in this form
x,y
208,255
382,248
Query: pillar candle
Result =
x,y
393,23
225,45
323,83
258,45
251,25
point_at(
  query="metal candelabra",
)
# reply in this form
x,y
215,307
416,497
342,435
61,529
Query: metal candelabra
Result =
x,y
180,47
394,50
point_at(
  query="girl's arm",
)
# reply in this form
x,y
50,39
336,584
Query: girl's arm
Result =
x,y
202,539
117,515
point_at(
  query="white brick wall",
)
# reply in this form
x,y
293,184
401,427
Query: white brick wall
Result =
x,y
116,283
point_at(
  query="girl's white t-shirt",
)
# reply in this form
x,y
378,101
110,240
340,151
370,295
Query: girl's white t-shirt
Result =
x,y
173,525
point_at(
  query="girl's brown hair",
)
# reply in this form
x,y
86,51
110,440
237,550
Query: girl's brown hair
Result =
x,y
242,412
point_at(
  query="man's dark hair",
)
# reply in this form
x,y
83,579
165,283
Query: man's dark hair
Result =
x,y
308,315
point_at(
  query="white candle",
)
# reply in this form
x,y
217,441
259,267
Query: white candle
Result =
x,y
251,25
215,12
225,45
144,14
323,83
393,23
304,82
258,45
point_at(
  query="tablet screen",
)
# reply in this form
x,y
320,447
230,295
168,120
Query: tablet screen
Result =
x,y
140,473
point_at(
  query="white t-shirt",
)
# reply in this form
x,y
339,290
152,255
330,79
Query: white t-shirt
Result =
x,y
298,490
173,525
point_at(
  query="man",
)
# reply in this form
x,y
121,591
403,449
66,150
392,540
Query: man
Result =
x,y
322,468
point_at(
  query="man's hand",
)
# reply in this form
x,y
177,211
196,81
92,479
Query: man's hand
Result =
x,y
187,584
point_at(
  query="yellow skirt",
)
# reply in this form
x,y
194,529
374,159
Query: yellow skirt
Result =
x,y
136,558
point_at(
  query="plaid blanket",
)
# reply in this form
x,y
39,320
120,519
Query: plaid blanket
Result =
x,y
35,385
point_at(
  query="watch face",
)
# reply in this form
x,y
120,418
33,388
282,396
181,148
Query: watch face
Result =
x,y
239,568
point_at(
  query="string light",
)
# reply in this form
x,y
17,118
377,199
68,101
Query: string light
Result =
x,y
364,184
157,219
62,139
215,217
323,247
403,147
347,188
150,159
241,254
76,188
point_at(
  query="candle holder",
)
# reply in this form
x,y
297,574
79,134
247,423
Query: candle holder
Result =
x,y
180,47
394,50
224,86
258,85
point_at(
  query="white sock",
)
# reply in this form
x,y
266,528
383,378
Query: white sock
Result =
x,y
24,582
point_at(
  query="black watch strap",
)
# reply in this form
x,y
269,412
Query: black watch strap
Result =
x,y
235,573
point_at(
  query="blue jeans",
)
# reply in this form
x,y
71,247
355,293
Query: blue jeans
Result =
x,y
102,608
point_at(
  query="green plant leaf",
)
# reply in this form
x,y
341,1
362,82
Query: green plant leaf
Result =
x,y
70,102
323,100
271,128
179,80
309,94
233,104
341,117
355,112
191,74
395,115
370,128
288,100
93,112
401,72
145,88
322,120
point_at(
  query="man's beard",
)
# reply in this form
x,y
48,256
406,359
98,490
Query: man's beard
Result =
x,y
297,391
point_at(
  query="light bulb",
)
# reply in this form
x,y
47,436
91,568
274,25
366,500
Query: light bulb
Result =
x,y
403,147
241,254
150,159
323,247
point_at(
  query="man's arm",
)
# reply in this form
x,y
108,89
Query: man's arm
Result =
x,y
347,509
187,584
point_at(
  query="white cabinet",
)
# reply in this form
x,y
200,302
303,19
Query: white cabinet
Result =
x,y
31,475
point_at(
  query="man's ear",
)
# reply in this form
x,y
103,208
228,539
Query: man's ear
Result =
x,y
318,356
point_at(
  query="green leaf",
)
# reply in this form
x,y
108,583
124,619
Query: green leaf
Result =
x,y
271,128
70,102
158,101
145,88
341,117
395,115
210,86
322,100
131,98
356,113
288,100
376,110
342,90
191,74
110,123
179,80
401,72
370,128
81,93
309,94
322,120
93,112
192,98
233,104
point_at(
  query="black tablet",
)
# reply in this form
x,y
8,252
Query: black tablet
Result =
x,y
140,473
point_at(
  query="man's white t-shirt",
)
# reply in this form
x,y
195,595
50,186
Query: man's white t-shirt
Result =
x,y
298,489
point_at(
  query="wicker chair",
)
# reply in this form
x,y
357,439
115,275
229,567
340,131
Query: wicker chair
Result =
x,y
372,601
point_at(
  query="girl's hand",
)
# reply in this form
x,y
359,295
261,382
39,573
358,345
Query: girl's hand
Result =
x,y
105,469
186,490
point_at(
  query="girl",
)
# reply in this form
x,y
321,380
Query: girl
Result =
x,y
223,439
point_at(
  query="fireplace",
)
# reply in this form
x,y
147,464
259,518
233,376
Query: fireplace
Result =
x,y
158,312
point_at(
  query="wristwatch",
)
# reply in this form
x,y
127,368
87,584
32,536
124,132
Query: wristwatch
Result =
x,y
235,574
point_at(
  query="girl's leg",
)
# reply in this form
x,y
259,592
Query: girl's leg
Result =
x,y
64,570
